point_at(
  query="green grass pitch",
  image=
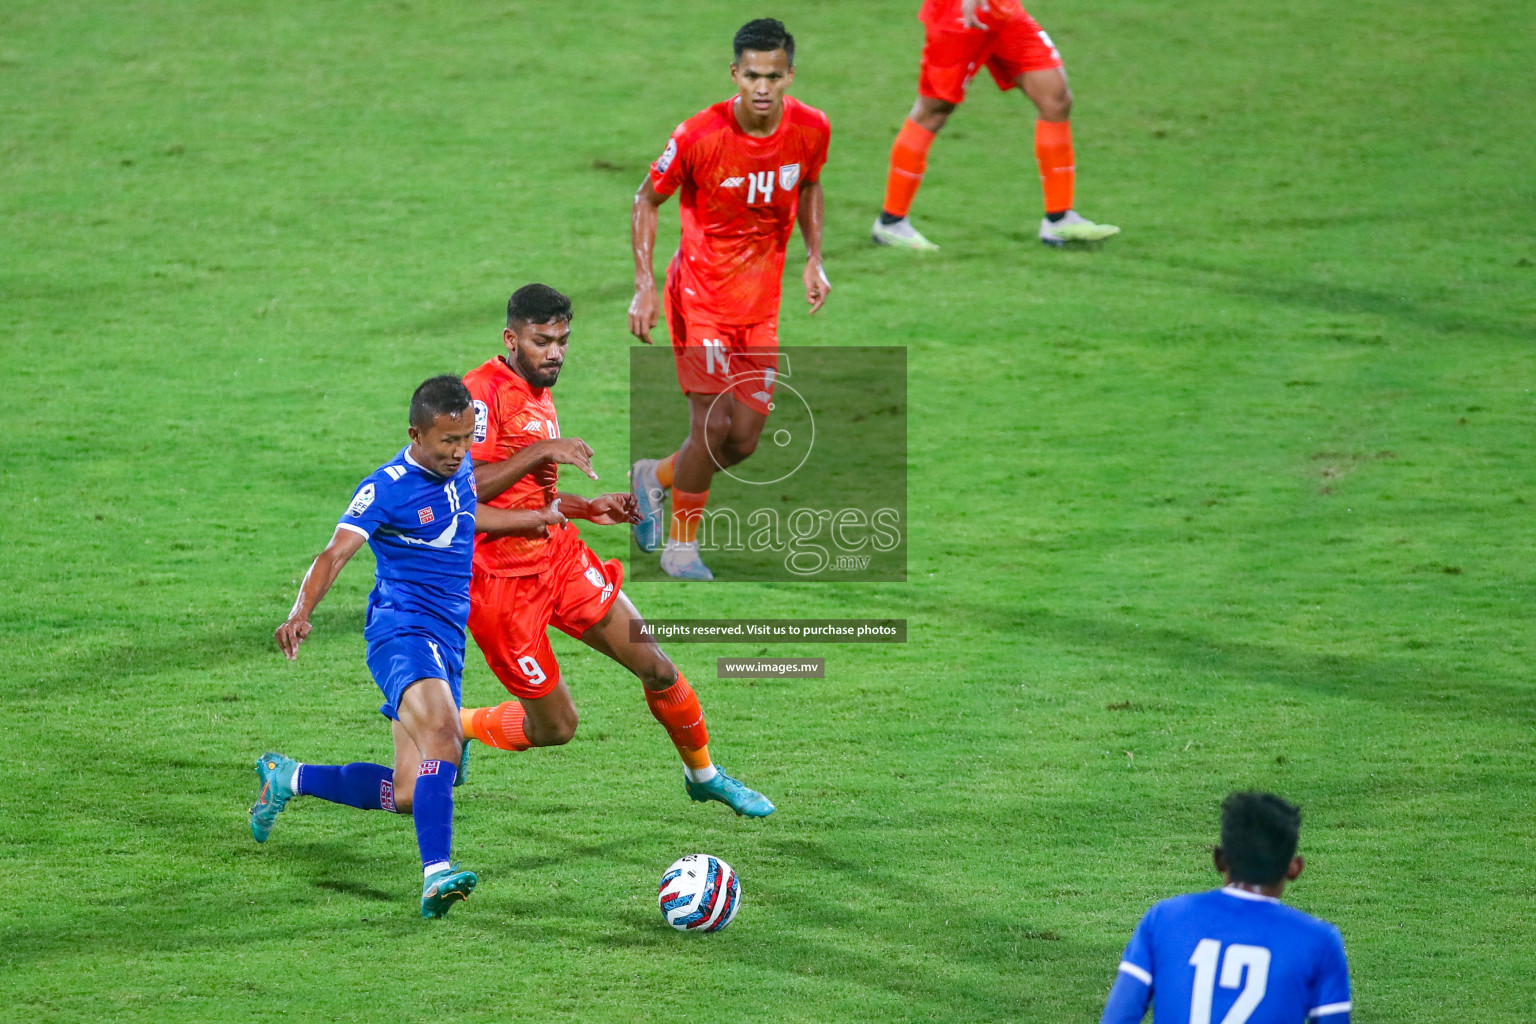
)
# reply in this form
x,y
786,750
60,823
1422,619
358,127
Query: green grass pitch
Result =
x,y
1243,498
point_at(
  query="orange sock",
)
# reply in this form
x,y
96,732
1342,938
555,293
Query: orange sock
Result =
x,y
500,727
664,471
677,709
909,159
687,510
1053,151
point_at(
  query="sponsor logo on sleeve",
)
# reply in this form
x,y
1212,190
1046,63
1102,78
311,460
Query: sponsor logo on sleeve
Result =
x,y
361,501
482,420
788,175
667,156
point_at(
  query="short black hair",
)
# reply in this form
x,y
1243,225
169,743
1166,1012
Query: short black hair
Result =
x,y
765,35
438,396
537,304
1259,832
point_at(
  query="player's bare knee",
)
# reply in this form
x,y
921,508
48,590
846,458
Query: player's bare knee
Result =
x,y
657,672
444,742
1055,105
720,446
930,114
718,427
738,449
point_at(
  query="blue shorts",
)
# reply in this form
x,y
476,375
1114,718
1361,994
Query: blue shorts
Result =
x,y
398,661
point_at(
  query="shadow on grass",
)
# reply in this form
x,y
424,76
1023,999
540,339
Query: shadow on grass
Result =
x,y
1411,685
1262,283
357,889
163,650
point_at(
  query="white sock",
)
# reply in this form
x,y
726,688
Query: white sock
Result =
x,y
428,870
700,774
293,783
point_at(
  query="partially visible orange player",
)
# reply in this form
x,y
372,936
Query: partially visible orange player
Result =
x,y
521,586
746,170
962,37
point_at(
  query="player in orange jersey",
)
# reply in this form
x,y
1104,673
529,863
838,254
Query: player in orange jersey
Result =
x,y
746,170
962,37
523,585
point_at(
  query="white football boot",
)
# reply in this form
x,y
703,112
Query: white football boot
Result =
x,y
1074,227
681,561
900,235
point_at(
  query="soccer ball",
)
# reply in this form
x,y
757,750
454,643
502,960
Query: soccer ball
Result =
x,y
699,893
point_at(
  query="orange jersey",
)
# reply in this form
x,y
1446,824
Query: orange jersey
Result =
x,y
945,14
739,197
511,414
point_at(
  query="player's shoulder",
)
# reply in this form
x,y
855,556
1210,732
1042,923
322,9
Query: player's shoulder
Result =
x,y
404,474
375,488
1322,931
1176,907
806,116
483,378
712,120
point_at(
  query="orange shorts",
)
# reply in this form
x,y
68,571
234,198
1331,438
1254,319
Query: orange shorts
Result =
x,y
951,59
713,359
509,616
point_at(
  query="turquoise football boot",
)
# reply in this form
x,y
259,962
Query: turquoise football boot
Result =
x,y
650,497
442,889
278,775
458,780
733,794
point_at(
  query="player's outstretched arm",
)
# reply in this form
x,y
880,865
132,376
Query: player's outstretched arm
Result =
x,y
813,213
603,510
317,582
491,478
521,522
645,307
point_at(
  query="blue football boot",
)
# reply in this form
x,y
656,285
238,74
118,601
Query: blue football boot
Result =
x,y
651,497
278,775
442,889
733,794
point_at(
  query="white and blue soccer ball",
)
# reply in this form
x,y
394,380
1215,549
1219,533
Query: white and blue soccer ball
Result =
x,y
699,893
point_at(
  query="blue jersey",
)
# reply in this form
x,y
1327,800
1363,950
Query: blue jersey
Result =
x,y
1230,956
421,527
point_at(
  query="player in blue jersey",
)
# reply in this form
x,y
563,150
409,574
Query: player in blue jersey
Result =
x,y
1237,955
418,512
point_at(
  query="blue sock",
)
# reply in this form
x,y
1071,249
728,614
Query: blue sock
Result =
x,y
369,786
432,809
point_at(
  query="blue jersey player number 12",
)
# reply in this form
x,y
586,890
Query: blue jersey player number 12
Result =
x,y
1237,955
